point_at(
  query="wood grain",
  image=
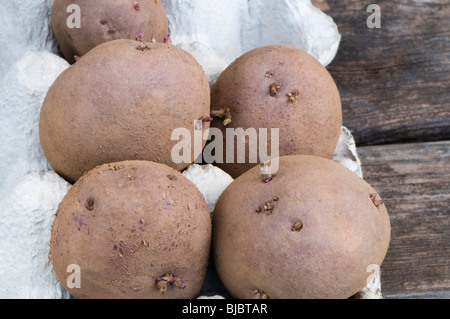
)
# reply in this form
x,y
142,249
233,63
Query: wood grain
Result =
x,y
394,81
414,180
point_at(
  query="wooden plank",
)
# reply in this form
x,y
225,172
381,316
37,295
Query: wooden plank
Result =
x,y
414,180
395,80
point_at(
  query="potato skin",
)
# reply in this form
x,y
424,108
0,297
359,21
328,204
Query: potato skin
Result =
x,y
118,103
106,20
343,232
309,126
126,224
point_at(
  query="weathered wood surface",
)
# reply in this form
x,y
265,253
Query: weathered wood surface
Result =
x,y
395,80
414,180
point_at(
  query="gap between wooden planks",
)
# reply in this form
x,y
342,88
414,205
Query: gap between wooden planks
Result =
x,y
394,81
414,180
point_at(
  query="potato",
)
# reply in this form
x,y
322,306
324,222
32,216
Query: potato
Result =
x,y
316,230
122,101
127,225
280,87
105,20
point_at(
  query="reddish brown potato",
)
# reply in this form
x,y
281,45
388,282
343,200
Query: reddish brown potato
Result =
x,y
122,103
128,224
106,20
311,232
280,87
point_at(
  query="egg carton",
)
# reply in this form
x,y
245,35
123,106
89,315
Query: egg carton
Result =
x,y
214,32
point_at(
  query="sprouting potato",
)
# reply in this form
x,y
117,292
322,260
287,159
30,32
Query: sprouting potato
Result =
x,y
282,87
313,231
105,20
122,101
134,229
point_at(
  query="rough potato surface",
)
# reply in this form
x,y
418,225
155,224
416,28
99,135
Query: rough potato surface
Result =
x,y
311,232
125,225
106,20
119,103
280,87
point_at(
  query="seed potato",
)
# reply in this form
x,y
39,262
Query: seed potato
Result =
x,y
132,227
105,20
122,101
282,87
313,231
